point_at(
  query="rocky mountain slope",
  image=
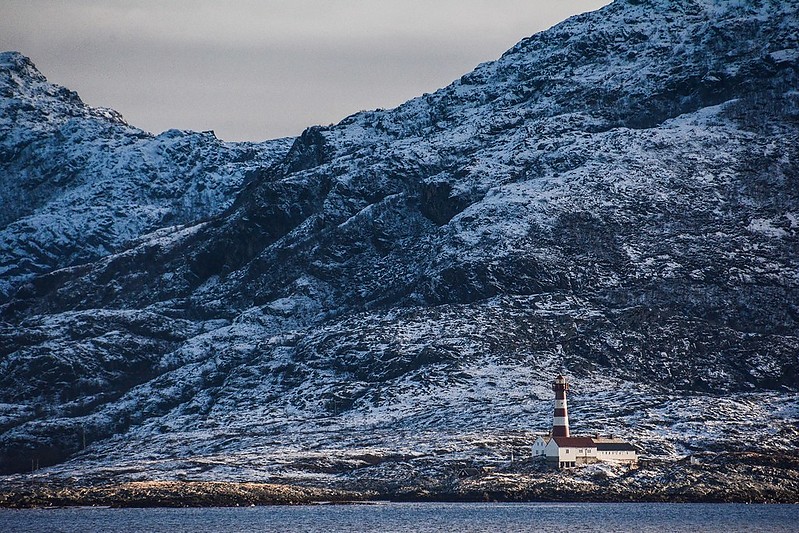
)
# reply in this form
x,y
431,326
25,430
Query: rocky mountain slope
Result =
x,y
616,197
78,183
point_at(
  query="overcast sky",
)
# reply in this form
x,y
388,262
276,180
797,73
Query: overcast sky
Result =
x,y
260,69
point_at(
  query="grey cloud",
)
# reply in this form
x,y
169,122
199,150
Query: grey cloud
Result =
x,y
261,69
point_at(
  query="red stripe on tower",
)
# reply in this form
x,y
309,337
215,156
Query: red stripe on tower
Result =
x,y
560,424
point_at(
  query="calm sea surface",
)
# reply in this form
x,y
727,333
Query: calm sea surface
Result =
x,y
385,517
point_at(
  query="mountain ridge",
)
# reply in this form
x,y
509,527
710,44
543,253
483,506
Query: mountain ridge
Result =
x,y
79,183
616,196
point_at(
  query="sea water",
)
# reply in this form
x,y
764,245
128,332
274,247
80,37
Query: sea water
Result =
x,y
421,517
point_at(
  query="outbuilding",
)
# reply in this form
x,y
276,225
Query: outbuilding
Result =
x,y
616,451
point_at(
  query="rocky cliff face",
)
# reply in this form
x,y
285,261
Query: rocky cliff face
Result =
x,y
78,183
616,196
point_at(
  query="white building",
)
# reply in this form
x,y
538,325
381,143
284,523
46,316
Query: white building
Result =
x,y
539,445
615,451
570,451
564,452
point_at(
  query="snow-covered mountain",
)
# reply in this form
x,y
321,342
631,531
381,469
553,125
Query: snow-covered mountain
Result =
x,y
616,197
78,183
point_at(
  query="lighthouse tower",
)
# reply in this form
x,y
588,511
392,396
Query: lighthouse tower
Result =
x,y
560,424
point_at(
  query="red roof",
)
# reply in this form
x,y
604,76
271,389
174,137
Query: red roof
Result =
x,y
574,442
616,447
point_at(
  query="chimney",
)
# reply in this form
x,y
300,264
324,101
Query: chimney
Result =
x,y
560,424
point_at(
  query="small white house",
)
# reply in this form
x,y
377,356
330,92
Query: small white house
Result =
x,y
540,445
563,452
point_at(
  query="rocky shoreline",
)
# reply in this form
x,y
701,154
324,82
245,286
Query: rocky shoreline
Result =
x,y
710,478
168,494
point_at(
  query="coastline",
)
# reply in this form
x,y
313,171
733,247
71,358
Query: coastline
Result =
x,y
167,494
728,478
227,494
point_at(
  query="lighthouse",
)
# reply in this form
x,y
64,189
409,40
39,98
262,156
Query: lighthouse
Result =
x,y
561,450
560,424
